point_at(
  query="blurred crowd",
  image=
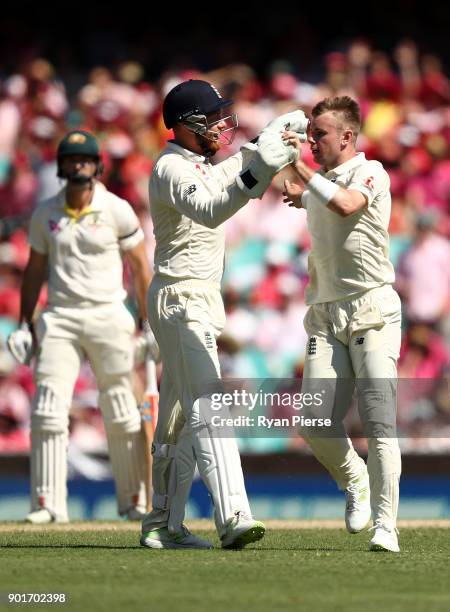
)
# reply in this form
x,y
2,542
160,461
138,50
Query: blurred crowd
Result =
x,y
404,98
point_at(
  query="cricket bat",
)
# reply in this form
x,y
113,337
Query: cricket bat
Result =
x,y
149,414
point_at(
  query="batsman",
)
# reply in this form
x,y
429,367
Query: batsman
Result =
x,y
190,199
77,239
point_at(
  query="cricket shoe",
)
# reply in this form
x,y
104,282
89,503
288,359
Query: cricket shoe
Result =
x,y
162,538
43,517
385,539
242,530
357,507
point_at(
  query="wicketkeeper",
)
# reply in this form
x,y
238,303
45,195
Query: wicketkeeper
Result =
x,y
190,200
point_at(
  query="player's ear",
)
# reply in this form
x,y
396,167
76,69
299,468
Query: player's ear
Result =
x,y
347,137
100,168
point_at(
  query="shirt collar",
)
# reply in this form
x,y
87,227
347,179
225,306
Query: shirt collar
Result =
x,y
95,205
346,166
190,155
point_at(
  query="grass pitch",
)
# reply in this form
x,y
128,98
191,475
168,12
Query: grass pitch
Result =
x,y
102,567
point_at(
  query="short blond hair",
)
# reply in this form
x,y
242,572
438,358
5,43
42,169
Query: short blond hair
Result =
x,y
347,108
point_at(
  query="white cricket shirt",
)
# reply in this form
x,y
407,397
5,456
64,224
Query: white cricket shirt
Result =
x,y
350,255
85,263
189,200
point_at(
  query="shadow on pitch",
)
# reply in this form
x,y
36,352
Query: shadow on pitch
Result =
x,y
93,546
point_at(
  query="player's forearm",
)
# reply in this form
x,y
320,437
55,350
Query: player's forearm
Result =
x,y
137,258
29,294
344,202
141,285
212,211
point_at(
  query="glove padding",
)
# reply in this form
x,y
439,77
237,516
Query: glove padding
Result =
x,y
248,151
295,121
21,345
272,156
146,345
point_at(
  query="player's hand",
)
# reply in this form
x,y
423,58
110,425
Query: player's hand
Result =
x,y
292,138
21,344
274,153
146,345
293,194
152,345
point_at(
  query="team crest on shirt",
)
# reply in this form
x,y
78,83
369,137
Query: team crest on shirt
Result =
x,y
53,226
369,182
95,221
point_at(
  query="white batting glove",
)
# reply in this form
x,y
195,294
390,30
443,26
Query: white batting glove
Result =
x,y
272,156
21,345
295,121
146,345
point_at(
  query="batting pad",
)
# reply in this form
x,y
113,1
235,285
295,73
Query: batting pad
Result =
x,y
48,463
49,473
219,465
173,471
126,452
126,447
181,477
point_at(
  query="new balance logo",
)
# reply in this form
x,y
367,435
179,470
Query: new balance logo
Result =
x,y
189,191
359,341
312,345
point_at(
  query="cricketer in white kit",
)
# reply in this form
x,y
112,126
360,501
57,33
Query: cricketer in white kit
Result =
x,y
354,316
190,199
77,239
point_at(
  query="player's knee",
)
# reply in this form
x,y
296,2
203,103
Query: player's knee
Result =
x,y
50,411
120,412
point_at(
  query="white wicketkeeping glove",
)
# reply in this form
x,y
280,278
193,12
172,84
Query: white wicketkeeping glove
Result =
x,y
248,151
146,345
20,344
295,121
271,157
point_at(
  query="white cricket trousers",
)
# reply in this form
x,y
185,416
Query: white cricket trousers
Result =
x,y
186,318
357,342
66,336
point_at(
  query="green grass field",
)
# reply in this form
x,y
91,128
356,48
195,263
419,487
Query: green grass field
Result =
x,y
104,568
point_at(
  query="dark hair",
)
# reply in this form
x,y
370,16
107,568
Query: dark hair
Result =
x,y
345,106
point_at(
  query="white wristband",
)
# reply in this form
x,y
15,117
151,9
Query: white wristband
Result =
x,y
321,188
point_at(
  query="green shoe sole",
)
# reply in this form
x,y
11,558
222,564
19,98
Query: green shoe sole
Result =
x,y
253,534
